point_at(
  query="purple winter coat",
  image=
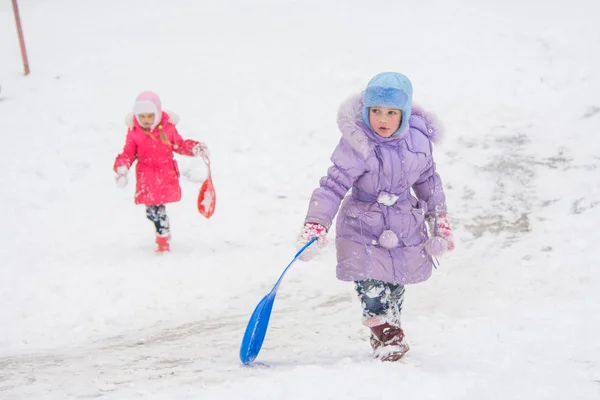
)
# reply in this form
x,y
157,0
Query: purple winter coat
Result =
x,y
375,240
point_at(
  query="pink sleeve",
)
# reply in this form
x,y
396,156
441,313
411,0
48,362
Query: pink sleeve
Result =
x,y
181,146
129,154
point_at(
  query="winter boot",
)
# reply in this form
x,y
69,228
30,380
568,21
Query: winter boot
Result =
x,y
388,342
162,244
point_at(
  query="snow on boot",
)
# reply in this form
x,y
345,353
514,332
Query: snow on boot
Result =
x,y
162,244
388,342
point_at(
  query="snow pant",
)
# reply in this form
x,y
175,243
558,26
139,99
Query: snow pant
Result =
x,y
158,215
381,299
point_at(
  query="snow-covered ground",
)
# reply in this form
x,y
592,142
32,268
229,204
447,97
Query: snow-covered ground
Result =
x,y
87,310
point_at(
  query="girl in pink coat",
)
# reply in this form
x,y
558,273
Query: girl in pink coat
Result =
x,y
151,140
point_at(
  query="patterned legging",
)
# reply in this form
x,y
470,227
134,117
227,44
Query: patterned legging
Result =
x,y
381,299
158,215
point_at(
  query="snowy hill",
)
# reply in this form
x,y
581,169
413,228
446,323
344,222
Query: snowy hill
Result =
x,y
87,309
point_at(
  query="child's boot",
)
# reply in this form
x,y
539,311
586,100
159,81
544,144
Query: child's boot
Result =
x,y
388,342
162,243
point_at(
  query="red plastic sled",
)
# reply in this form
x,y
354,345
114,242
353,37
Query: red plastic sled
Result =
x,y
207,197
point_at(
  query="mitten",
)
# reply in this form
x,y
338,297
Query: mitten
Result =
x,y
309,231
441,239
121,177
200,149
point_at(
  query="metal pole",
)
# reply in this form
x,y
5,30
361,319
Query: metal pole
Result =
x,y
21,39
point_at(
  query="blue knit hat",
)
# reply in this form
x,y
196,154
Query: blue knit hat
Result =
x,y
389,89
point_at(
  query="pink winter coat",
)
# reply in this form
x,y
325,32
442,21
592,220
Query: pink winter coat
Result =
x,y
157,174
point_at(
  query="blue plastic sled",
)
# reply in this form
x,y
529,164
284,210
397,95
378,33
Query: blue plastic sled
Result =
x,y
259,320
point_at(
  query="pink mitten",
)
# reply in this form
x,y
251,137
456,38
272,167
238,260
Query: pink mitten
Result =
x,y
309,231
441,239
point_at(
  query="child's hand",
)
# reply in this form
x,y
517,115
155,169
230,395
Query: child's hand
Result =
x,y
309,231
121,177
441,239
200,149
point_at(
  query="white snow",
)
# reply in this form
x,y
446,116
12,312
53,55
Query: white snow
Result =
x,y
387,199
86,308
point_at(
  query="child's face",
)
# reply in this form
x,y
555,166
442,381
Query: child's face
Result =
x,y
385,121
146,120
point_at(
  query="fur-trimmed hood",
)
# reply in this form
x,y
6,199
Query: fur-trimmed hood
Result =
x,y
363,139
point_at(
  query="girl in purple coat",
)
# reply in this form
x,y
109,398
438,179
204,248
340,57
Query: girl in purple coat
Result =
x,y
385,158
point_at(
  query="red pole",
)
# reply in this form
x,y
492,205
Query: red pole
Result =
x,y
21,39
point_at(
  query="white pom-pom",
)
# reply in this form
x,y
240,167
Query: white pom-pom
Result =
x,y
388,240
436,246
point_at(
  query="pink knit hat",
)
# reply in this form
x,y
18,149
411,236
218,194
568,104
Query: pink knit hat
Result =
x,y
148,102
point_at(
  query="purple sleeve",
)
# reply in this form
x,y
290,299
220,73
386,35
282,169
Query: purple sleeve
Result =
x,y
429,188
325,201
429,185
